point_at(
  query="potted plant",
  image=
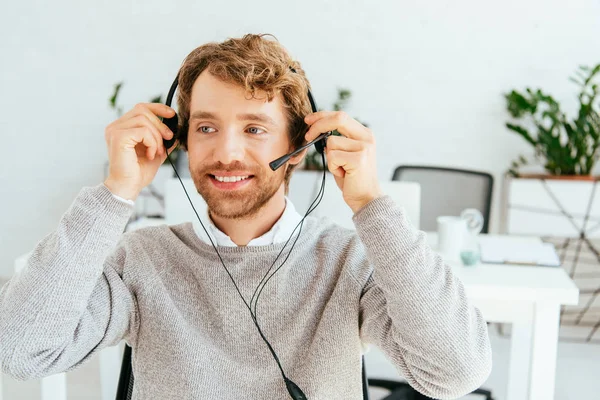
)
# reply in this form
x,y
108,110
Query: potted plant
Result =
x,y
559,200
567,148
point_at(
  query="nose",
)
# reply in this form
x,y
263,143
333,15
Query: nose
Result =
x,y
229,147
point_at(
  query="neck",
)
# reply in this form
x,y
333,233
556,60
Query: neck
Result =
x,y
243,230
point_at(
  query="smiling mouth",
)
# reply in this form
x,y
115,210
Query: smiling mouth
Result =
x,y
230,182
231,179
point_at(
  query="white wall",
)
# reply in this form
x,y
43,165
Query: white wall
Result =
x,y
427,77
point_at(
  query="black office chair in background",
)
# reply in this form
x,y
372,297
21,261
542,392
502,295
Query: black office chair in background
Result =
x,y
125,386
448,191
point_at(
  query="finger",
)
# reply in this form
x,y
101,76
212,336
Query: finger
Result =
x,y
344,143
341,122
312,117
335,163
151,110
342,162
142,120
159,109
145,137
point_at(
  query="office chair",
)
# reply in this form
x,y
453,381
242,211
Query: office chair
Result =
x,y
459,189
125,386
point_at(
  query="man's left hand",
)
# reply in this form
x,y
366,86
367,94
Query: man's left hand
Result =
x,y
350,157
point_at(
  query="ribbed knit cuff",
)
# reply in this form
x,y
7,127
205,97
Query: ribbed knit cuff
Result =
x,y
389,237
383,217
116,212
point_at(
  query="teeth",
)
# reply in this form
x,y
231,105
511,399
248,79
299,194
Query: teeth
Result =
x,y
230,178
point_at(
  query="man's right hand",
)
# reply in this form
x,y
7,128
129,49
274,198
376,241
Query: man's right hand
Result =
x,y
135,148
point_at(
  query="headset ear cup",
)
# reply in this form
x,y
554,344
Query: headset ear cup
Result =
x,y
172,123
320,145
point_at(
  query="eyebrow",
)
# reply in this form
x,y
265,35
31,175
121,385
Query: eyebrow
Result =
x,y
264,118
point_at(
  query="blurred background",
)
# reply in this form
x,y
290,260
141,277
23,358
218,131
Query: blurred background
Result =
x,y
429,78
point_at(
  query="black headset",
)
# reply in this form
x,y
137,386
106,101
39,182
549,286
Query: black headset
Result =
x,y
319,143
173,124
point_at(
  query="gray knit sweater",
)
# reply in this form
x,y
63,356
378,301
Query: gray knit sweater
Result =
x,y
88,285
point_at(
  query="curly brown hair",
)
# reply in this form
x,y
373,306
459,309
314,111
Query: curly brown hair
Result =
x,y
258,64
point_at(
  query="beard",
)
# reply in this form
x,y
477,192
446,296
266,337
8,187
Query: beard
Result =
x,y
243,203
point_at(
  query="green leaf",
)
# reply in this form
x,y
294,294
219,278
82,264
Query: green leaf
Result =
x,y
518,105
576,81
113,98
521,131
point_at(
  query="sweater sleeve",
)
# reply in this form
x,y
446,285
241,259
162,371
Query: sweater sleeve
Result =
x,y
415,309
70,299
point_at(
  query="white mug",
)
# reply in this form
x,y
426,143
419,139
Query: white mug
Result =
x,y
451,235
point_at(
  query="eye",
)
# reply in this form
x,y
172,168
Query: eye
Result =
x,y
205,129
255,130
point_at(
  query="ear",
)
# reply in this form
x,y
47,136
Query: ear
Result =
x,y
298,157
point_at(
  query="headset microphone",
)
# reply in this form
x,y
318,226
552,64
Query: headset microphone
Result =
x,y
275,164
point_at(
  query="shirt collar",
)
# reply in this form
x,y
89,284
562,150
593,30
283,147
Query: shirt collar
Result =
x,y
279,232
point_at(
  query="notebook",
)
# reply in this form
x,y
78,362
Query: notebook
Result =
x,y
510,250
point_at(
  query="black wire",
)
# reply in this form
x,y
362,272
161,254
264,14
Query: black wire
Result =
x,y
230,276
281,251
311,208
301,224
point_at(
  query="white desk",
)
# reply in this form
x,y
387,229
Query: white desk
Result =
x,y
529,298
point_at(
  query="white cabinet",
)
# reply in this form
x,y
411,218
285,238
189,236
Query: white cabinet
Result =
x,y
550,207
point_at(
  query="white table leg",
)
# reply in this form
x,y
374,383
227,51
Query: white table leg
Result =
x,y
1,391
520,356
54,387
544,351
110,367
532,369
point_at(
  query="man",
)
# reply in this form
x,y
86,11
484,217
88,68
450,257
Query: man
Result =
x,y
165,290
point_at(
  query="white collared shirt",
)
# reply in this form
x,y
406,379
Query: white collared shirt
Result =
x,y
280,232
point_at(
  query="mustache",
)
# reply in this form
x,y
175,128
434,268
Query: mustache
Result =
x,y
236,166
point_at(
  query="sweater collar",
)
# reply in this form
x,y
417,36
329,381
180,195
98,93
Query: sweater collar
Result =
x,y
279,232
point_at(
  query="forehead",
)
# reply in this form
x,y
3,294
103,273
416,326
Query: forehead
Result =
x,y
210,94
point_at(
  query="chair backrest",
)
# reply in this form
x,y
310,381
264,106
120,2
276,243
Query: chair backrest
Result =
x,y
448,191
406,194
125,386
